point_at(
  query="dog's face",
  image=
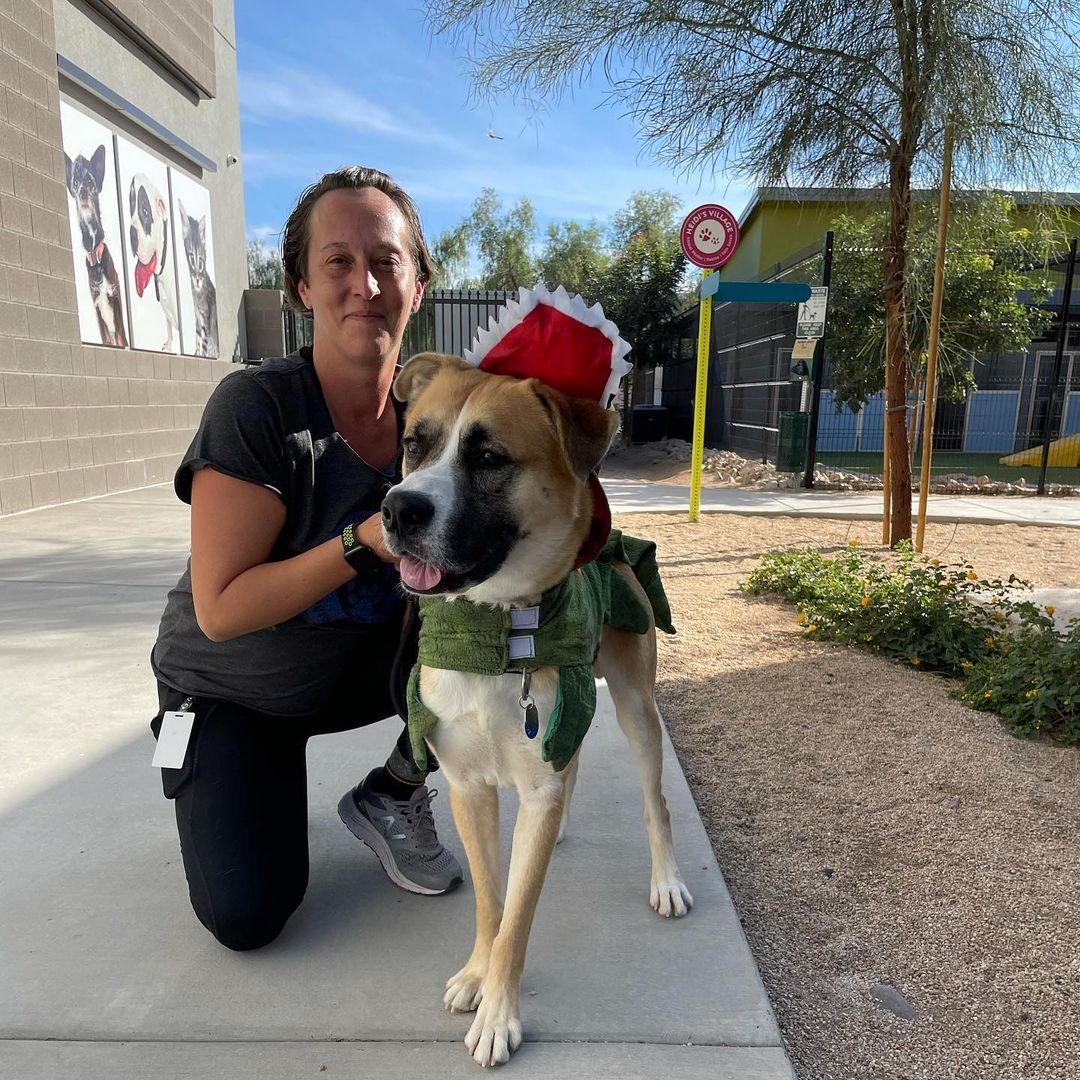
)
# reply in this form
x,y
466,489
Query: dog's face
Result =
x,y
85,179
495,503
149,219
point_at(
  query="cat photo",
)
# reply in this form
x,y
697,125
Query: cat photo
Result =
x,y
195,266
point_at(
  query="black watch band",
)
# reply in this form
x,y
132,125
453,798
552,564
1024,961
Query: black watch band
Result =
x,y
360,557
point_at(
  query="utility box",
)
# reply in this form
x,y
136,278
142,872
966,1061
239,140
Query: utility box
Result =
x,y
648,423
791,454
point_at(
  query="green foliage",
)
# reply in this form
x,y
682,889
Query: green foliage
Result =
x,y
980,310
264,267
1011,658
574,257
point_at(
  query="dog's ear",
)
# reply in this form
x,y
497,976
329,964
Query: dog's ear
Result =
x,y
131,197
185,223
97,166
419,371
585,429
67,173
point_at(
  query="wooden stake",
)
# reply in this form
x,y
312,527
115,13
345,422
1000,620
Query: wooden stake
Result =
x,y
935,332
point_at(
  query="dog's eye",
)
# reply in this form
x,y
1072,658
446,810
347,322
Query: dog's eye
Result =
x,y
411,445
491,459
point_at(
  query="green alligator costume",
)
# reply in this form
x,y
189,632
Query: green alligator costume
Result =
x,y
564,633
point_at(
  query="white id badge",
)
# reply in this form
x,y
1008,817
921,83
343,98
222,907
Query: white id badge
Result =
x,y
173,739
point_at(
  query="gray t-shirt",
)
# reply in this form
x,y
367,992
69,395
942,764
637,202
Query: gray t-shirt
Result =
x,y
270,425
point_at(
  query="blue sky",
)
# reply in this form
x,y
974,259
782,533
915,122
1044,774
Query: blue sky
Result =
x,y
334,82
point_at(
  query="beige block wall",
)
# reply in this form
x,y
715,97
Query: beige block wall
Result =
x,y
181,30
75,420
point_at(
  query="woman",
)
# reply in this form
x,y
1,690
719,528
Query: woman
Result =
x,y
289,617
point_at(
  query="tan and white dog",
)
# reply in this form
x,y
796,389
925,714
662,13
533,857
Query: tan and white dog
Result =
x,y
493,509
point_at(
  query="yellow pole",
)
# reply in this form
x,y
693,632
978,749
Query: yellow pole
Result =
x,y
935,332
698,453
886,480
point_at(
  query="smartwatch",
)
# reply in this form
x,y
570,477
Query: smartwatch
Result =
x,y
360,557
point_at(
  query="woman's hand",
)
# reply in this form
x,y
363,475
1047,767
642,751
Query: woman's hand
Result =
x,y
370,534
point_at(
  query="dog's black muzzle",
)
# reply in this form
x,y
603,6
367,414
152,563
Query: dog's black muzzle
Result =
x,y
405,514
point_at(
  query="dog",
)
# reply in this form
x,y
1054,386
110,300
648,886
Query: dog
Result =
x,y
150,247
493,509
85,179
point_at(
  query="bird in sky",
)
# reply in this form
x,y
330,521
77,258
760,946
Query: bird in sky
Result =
x,y
491,134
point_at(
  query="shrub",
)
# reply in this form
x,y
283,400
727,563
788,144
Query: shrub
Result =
x,y
941,618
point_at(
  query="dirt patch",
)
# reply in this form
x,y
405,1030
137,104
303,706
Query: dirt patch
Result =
x,y
873,832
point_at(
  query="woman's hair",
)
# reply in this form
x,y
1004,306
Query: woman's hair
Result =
x,y
297,232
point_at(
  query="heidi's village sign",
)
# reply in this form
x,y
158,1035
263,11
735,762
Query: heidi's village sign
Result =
x,y
709,237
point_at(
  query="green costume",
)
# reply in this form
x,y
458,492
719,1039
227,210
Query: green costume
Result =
x,y
563,632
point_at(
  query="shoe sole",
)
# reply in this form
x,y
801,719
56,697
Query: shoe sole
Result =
x,y
367,834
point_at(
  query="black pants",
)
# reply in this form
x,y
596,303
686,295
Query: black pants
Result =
x,y
241,801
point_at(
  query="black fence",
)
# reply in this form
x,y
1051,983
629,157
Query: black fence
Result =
x,y
449,318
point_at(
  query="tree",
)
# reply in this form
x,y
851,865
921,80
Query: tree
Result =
x,y
451,255
264,267
504,242
981,311
575,257
834,93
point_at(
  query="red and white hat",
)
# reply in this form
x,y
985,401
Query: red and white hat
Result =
x,y
557,339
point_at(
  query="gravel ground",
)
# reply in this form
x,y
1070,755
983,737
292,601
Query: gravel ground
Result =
x,y
879,839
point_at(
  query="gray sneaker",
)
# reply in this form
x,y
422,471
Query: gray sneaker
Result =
x,y
402,835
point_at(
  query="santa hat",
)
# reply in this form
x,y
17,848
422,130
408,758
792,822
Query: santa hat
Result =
x,y
557,339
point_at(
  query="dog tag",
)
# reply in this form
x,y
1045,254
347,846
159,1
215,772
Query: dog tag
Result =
x,y
528,707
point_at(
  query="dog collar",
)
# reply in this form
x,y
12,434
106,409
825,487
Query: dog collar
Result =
x,y
599,527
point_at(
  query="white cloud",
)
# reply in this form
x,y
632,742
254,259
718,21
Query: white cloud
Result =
x,y
293,94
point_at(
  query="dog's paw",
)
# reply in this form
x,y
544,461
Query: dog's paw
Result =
x,y
670,897
496,1032
464,990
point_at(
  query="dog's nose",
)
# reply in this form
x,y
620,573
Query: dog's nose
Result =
x,y
405,513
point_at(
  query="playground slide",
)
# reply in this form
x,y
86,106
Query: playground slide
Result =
x,y
1064,453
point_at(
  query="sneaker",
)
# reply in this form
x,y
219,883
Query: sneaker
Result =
x,y
402,835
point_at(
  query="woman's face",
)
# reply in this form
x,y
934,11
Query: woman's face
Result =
x,y
361,283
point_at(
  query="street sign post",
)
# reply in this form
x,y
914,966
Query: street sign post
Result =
x,y
709,236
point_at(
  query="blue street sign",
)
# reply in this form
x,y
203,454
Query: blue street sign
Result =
x,y
753,292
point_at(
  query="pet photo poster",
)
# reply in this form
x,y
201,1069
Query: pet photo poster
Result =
x,y
97,237
151,262
193,232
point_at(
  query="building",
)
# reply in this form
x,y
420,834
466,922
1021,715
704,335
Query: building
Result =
x,y
117,115
781,233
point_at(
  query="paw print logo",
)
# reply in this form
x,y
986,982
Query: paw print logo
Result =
x,y
710,236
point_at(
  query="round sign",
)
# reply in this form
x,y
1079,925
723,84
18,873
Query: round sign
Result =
x,y
709,236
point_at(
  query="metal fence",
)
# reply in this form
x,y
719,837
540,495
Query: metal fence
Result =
x,y
449,318
750,386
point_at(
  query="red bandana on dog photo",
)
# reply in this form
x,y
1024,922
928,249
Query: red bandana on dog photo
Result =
x,y
571,347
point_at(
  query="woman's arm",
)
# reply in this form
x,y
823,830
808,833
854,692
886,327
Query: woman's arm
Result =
x,y
234,524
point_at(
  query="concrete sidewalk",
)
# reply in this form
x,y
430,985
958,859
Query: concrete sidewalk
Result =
x,y
639,496
105,973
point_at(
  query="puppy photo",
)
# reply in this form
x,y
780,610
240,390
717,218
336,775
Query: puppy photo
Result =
x,y
151,275
90,178
497,510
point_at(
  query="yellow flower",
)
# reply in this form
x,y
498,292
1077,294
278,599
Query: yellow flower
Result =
x,y
966,664
811,628
989,640
868,637
865,601
999,615
800,618
853,543
989,693
972,576
1031,693
1049,609
916,661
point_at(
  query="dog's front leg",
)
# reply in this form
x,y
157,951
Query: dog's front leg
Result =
x,y
496,1031
476,814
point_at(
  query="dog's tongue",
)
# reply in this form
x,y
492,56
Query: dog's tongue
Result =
x,y
143,273
418,575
